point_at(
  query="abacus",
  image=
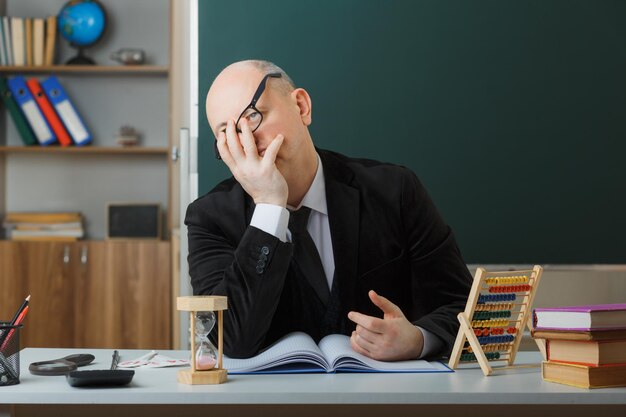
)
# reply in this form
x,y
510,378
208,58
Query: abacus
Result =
x,y
497,311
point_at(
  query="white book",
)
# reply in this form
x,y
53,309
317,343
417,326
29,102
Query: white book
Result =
x,y
47,233
43,226
298,353
8,43
17,34
38,42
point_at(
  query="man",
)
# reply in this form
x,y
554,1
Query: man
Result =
x,y
371,258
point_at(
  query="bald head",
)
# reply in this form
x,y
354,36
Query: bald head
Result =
x,y
236,84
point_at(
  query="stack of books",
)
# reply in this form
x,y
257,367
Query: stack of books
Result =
x,y
585,345
44,226
27,40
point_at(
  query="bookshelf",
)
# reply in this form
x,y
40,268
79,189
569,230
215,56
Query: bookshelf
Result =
x,y
107,96
85,150
88,69
113,282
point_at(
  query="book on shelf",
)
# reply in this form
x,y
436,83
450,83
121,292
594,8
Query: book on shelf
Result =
x,y
592,353
51,32
8,43
21,124
583,318
297,352
3,52
28,37
17,36
18,234
38,41
49,113
42,217
44,226
583,376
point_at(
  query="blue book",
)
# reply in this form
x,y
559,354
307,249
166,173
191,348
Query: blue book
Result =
x,y
66,111
33,114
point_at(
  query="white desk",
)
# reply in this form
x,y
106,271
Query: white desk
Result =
x,y
155,392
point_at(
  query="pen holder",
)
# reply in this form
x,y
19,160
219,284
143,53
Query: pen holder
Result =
x,y
9,354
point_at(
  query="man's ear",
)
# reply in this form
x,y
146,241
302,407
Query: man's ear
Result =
x,y
303,101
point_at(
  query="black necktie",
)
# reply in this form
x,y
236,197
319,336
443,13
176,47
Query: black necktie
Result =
x,y
305,253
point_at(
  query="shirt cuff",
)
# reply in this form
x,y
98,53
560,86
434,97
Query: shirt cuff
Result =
x,y
432,344
271,219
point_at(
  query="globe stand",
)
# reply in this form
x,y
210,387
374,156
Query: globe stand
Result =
x,y
81,58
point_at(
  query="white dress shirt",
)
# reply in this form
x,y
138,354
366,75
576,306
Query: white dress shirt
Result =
x,y
274,220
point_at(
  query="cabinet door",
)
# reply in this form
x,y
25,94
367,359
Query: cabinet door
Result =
x,y
125,296
46,274
93,301
12,283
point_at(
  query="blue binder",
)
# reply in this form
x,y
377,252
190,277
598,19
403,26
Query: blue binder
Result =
x,y
33,114
66,111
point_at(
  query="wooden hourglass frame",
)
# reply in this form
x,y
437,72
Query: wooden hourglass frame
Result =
x,y
193,305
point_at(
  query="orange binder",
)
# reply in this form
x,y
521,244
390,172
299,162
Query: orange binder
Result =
x,y
49,113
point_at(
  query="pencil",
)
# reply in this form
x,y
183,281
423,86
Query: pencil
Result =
x,y
19,310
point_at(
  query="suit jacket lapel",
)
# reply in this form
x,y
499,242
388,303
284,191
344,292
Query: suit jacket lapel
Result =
x,y
342,201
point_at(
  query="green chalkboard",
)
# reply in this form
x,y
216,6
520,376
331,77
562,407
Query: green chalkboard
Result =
x,y
512,113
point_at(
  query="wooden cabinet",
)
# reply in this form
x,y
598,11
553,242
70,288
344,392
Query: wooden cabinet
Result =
x,y
97,294
124,295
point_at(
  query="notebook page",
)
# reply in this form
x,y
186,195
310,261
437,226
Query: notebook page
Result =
x,y
295,347
339,354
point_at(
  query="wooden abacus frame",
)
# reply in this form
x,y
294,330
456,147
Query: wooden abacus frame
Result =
x,y
514,289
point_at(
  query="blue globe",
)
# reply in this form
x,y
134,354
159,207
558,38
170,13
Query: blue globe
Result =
x,y
82,22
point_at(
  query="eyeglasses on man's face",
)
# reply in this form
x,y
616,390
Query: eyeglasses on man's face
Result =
x,y
251,113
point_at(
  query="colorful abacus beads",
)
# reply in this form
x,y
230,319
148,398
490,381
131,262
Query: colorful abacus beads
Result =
x,y
486,340
494,307
491,331
484,315
496,347
487,298
509,288
519,279
490,323
470,357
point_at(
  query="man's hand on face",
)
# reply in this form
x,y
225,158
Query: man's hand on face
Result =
x,y
392,338
258,175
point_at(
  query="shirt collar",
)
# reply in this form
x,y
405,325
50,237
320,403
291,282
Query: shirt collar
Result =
x,y
315,198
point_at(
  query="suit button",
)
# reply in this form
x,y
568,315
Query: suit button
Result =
x,y
263,258
265,250
259,270
260,264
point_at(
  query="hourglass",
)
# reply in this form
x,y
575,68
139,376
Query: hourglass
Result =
x,y
206,357
206,363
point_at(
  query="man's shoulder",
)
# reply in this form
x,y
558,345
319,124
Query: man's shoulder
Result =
x,y
227,193
362,168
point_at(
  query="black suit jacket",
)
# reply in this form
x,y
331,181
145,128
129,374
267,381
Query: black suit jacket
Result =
x,y
386,234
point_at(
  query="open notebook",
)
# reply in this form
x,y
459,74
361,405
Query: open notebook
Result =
x,y
298,353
